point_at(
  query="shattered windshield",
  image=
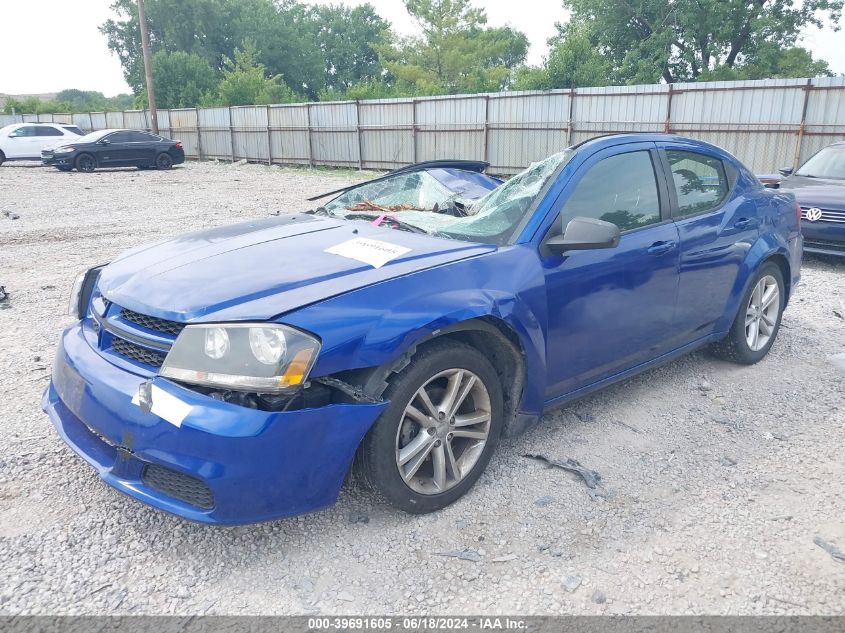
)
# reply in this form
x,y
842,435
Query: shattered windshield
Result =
x,y
418,202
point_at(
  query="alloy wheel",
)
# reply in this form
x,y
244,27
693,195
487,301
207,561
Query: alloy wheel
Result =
x,y
85,163
761,314
164,161
443,431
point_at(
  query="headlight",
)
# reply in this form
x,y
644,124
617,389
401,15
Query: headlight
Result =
x,y
259,357
80,293
64,150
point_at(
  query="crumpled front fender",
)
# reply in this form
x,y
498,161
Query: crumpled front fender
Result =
x,y
506,284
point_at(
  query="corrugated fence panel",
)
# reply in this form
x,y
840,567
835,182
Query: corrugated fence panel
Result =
x,y
98,121
450,127
524,128
115,119
598,111
215,129
757,121
8,119
387,133
136,119
250,134
767,124
825,123
289,137
181,125
334,134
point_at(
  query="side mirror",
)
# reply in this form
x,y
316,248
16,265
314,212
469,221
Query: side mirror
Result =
x,y
786,171
585,234
105,141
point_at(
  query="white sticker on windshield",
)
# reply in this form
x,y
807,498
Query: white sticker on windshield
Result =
x,y
166,406
373,252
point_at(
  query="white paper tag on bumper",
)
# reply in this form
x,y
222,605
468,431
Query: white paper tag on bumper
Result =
x,y
166,406
373,252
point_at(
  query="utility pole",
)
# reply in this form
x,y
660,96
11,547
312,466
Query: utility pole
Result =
x,y
148,67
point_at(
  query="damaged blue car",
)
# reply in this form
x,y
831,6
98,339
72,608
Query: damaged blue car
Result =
x,y
401,329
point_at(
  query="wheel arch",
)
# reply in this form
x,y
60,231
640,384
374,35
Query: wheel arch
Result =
x,y
491,336
762,252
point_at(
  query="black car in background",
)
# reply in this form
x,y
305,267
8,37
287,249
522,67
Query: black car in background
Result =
x,y
115,148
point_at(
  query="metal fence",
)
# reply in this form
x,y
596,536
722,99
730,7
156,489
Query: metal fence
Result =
x,y
767,124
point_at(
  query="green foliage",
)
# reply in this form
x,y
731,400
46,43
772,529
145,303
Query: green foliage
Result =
x,y
348,39
680,41
456,53
574,60
245,82
71,100
181,80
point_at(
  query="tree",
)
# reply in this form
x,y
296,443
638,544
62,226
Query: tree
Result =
x,y
456,53
181,80
213,29
675,41
349,39
245,82
574,60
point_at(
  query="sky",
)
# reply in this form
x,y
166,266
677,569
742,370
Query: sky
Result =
x,y
53,62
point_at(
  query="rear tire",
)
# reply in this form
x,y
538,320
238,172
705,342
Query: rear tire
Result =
x,y
164,161
85,163
758,321
2,158
423,461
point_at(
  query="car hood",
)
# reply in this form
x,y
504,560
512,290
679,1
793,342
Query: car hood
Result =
x,y
816,192
262,269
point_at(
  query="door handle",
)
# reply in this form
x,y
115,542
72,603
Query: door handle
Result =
x,y
658,248
743,223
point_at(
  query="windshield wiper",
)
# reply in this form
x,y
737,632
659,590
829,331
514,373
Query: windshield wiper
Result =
x,y
806,175
393,220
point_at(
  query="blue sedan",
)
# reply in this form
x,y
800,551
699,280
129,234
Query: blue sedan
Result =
x,y
400,330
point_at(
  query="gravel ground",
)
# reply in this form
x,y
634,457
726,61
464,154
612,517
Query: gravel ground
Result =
x,y
717,478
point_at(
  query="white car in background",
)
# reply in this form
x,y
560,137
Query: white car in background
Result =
x,y
24,141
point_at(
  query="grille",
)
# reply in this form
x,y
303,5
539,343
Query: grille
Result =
x,y
178,485
152,323
827,216
138,353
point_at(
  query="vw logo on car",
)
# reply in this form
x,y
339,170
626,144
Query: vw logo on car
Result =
x,y
814,214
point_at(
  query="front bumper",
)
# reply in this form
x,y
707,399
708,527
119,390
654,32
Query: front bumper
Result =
x,y
824,238
56,160
254,465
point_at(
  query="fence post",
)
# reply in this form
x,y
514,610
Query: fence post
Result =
x,y
486,148
199,133
667,125
808,88
572,93
90,122
310,140
231,135
358,130
269,139
414,124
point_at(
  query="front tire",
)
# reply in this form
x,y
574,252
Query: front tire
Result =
x,y
164,161
85,163
64,168
758,322
439,431
2,158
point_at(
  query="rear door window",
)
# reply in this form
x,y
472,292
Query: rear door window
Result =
x,y
47,130
700,181
142,137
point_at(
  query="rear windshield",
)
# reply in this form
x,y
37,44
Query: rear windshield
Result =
x,y
73,129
